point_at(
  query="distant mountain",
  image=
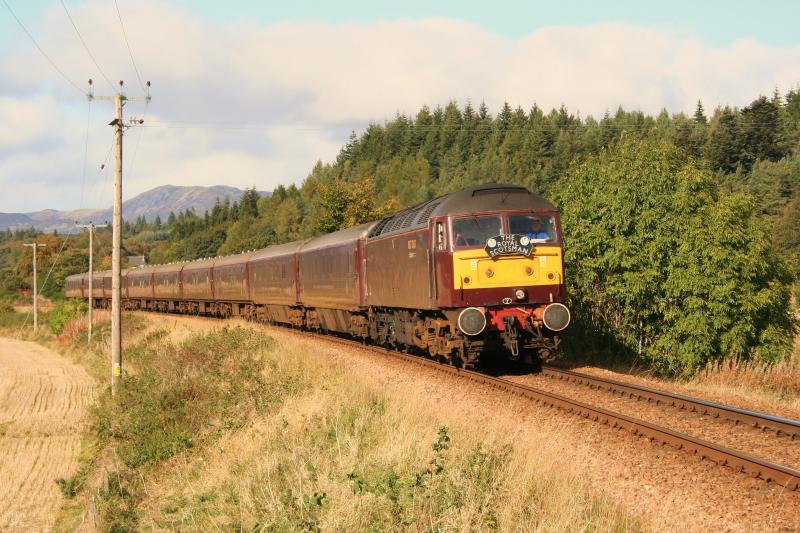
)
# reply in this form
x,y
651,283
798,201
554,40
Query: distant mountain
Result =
x,y
150,204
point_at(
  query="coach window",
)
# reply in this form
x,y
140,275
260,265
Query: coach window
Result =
x,y
441,237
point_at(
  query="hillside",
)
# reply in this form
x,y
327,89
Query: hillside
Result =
x,y
673,301
158,202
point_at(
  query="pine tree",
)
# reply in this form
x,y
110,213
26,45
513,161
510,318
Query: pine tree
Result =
x,y
761,132
790,120
724,147
699,114
248,205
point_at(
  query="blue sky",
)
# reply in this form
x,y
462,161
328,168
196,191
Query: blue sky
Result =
x,y
716,22
254,93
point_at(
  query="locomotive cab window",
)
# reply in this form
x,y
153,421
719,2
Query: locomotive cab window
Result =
x,y
474,231
538,228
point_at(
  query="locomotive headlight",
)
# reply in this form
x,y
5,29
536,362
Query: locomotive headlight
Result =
x,y
520,294
556,317
472,321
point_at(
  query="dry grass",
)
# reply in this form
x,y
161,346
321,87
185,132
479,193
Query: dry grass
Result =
x,y
74,329
775,383
341,455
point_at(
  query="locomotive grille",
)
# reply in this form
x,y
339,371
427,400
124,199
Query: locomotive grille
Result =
x,y
413,217
425,214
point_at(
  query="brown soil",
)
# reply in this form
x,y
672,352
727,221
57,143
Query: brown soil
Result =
x,y
43,400
669,489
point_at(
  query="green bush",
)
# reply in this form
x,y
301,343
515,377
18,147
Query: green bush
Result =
x,y
6,304
182,395
668,267
64,312
9,318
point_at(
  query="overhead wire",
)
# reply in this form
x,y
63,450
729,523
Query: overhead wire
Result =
x,y
100,192
138,77
63,244
41,51
127,44
86,47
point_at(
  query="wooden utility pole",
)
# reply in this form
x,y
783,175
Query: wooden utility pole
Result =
x,y
119,126
91,226
116,268
35,246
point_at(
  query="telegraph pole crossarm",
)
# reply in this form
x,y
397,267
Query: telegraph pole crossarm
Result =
x,y
91,226
35,246
119,124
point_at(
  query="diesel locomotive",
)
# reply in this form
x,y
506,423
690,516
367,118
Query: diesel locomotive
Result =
x,y
469,274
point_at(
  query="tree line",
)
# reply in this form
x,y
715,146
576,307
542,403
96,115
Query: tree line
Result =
x,y
682,231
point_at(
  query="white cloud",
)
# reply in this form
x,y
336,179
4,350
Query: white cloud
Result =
x,y
308,84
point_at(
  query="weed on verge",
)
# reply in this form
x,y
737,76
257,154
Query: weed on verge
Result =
x,y
181,396
346,457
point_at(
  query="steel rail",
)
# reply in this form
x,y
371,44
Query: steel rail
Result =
x,y
756,419
756,467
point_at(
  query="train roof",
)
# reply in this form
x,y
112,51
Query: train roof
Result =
x,y
228,260
169,267
199,264
476,199
277,250
338,237
142,270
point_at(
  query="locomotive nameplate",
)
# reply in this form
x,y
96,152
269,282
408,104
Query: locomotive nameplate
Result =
x,y
512,244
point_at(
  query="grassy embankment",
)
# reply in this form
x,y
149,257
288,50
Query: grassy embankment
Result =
x,y
230,429
777,383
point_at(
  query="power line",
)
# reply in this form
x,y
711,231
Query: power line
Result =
x,y
52,63
85,47
100,192
130,52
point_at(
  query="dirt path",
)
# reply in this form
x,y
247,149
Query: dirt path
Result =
x,y
43,400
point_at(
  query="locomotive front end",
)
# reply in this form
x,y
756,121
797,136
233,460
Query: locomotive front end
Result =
x,y
507,284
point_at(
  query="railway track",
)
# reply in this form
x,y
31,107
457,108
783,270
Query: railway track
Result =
x,y
768,423
739,461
